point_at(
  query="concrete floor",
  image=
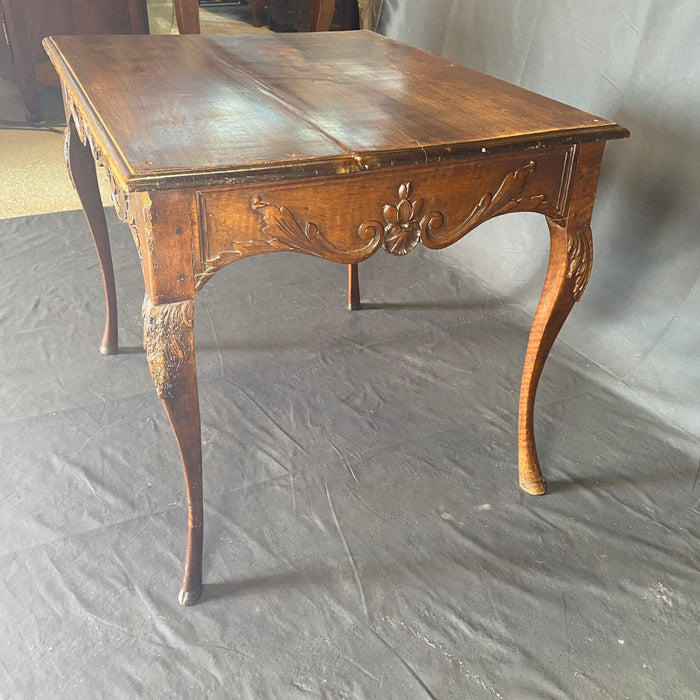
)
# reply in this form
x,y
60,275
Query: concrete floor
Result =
x,y
34,177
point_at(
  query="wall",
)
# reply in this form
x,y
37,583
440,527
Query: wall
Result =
x,y
636,62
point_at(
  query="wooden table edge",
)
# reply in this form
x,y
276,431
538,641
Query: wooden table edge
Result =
x,y
160,179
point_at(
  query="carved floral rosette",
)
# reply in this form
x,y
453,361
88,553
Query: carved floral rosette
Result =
x,y
402,231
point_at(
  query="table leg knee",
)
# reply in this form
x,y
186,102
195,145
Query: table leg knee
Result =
x,y
567,273
169,341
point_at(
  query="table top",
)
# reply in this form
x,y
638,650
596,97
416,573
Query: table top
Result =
x,y
171,111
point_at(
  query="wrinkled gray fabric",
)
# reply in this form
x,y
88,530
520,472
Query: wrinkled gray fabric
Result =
x,y
365,534
636,62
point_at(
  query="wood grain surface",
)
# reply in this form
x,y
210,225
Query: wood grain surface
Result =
x,y
173,110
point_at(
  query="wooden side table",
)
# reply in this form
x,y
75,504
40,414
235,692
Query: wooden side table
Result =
x,y
360,143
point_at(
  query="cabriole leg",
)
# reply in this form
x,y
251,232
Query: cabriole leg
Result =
x,y
81,167
570,260
169,342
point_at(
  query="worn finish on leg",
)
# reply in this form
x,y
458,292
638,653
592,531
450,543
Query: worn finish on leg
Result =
x,y
570,260
354,302
169,340
81,166
168,331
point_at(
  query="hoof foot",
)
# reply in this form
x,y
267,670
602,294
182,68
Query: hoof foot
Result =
x,y
536,488
189,597
109,349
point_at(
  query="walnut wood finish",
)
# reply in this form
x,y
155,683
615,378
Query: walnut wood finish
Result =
x,y
570,261
360,143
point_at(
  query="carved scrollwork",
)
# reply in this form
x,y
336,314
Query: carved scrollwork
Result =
x,y
282,232
167,333
83,132
80,125
580,253
120,200
66,153
505,199
400,233
120,197
403,231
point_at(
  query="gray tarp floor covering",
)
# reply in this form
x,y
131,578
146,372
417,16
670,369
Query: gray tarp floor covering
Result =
x,y
365,533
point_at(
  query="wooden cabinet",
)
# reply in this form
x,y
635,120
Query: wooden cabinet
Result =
x,y
26,22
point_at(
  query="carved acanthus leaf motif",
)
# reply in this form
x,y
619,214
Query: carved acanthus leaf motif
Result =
x,y
282,232
213,265
504,200
167,333
580,253
399,235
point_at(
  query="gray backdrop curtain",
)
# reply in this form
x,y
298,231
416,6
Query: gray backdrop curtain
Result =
x,y
636,62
